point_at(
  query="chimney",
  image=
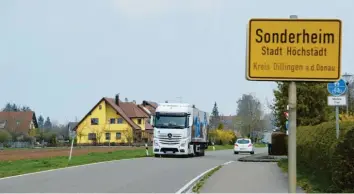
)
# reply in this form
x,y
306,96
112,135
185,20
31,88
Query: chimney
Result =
x,y
166,101
117,99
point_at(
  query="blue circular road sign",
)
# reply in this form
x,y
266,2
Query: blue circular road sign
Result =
x,y
337,88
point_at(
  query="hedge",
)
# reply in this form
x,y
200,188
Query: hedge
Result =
x,y
328,159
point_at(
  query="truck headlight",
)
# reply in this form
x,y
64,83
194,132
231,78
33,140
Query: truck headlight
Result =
x,y
183,143
156,144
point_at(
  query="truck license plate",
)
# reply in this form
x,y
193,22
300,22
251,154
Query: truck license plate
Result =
x,y
169,152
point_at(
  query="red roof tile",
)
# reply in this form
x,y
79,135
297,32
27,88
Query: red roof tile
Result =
x,y
18,121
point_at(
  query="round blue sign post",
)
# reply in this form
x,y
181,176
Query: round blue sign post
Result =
x,y
337,88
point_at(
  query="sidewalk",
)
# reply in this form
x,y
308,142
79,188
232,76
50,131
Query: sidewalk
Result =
x,y
248,177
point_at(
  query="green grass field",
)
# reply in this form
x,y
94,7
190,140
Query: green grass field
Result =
x,y
10,168
260,145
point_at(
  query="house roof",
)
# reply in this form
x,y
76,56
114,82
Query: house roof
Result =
x,y
151,106
17,121
148,126
145,110
132,110
121,111
127,110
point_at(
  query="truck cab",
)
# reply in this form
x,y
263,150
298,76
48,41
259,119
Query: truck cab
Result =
x,y
173,125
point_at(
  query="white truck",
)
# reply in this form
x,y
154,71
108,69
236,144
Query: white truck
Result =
x,y
180,129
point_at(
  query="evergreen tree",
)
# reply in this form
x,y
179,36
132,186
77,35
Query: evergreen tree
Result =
x,y
40,122
48,123
215,117
25,108
312,106
9,107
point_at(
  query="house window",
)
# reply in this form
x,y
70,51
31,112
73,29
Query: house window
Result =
x,y
100,107
92,136
94,121
112,121
118,135
108,136
17,122
139,121
120,121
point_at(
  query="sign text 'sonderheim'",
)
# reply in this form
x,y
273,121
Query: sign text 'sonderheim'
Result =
x,y
302,37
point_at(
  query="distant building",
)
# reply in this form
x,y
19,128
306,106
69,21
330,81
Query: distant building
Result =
x,y
71,129
18,122
112,120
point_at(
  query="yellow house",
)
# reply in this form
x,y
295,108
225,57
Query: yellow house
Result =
x,y
112,120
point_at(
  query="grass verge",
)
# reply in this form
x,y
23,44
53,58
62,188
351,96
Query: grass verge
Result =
x,y
260,145
201,182
305,180
220,147
17,167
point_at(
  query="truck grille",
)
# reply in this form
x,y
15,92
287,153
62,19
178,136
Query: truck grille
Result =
x,y
174,140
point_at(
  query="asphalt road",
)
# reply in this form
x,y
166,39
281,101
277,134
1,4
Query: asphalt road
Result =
x,y
248,177
143,175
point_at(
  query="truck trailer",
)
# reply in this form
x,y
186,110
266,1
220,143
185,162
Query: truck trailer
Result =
x,y
180,129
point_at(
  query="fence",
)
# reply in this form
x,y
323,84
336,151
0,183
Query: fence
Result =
x,y
16,144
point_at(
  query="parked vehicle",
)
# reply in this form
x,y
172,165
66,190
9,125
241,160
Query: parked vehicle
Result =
x,y
243,145
180,129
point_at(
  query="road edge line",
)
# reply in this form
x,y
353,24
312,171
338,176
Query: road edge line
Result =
x,y
69,167
187,187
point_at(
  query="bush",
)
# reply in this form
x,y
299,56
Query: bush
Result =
x,y
279,144
5,136
328,159
222,137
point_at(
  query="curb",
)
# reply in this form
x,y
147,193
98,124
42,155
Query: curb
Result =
x,y
189,186
260,158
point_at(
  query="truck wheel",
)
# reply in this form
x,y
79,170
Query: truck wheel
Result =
x,y
202,153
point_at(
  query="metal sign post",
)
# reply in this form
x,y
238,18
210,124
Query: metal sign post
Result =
x,y
288,50
73,136
337,90
147,149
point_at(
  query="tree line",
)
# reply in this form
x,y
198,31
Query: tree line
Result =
x,y
250,119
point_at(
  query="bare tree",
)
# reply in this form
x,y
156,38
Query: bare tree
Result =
x,y
250,112
129,135
79,132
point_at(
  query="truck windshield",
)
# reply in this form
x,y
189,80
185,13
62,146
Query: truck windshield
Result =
x,y
171,121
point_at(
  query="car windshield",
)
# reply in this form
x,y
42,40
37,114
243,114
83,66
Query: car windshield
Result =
x,y
171,121
243,141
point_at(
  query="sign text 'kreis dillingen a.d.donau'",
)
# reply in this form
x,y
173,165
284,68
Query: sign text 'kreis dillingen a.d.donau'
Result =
x,y
302,50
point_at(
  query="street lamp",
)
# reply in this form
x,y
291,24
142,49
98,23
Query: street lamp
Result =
x,y
348,78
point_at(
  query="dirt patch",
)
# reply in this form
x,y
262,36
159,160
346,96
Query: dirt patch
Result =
x,y
20,154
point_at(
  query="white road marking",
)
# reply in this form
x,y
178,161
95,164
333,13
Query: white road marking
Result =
x,y
188,186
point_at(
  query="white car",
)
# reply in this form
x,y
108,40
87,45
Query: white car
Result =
x,y
243,145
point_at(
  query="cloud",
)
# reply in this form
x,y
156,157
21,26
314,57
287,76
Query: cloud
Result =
x,y
146,8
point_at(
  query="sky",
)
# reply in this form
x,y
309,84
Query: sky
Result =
x,y
60,57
